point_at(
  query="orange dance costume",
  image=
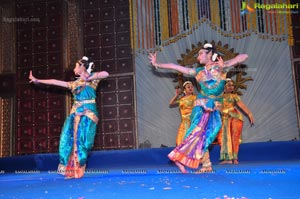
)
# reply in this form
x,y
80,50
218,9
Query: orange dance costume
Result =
x,y
186,104
229,136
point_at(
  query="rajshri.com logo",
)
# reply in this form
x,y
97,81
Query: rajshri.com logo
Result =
x,y
271,8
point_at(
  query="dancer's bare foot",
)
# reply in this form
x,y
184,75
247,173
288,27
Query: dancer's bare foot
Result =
x,y
181,167
226,162
204,170
69,177
235,162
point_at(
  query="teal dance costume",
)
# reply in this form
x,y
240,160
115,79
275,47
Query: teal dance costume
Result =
x,y
78,132
205,119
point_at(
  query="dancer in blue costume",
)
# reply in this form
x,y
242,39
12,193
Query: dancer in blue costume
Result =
x,y
78,132
205,118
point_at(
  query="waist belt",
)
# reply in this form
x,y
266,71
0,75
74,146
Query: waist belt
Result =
x,y
85,102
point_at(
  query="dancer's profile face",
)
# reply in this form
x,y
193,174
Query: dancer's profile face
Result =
x,y
203,56
78,69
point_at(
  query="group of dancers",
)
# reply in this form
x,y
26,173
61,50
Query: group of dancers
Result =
x,y
205,116
210,114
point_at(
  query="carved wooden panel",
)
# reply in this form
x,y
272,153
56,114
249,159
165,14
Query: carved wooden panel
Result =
x,y
297,84
109,66
24,35
40,145
41,131
107,40
122,25
92,28
40,8
124,65
40,111
53,143
40,59
24,60
123,51
25,131
54,129
26,105
90,4
24,146
126,140
122,38
56,117
91,15
107,13
116,108
107,26
296,30
108,53
38,34
92,41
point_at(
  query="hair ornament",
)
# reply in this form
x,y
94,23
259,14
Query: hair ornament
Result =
x,y
85,58
89,70
208,45
185,83
214,57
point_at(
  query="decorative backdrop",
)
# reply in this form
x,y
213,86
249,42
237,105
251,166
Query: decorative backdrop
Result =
x,y
157,23
172,28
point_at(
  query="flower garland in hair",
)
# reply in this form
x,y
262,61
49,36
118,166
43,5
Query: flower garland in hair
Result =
x,y
89,70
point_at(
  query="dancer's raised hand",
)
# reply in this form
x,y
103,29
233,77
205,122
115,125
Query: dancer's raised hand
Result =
x,y
32,79
220,62
152,57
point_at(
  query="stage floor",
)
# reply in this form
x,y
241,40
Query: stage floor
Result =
x,y
251,179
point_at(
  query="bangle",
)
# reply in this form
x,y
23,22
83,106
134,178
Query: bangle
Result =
x,y
156,65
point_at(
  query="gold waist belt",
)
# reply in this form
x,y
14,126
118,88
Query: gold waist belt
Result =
x,y
85,102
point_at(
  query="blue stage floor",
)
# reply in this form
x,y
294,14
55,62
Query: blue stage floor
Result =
x,y
252,179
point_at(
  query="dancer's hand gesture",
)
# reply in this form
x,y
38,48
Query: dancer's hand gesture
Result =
x,y
220,62
152,57
32,79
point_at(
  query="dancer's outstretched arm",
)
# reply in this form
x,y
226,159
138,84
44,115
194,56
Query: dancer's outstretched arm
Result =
x,y
182,69
236,60
54,82
97,75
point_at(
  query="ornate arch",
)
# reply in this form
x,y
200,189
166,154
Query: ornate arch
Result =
x,y
238,74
